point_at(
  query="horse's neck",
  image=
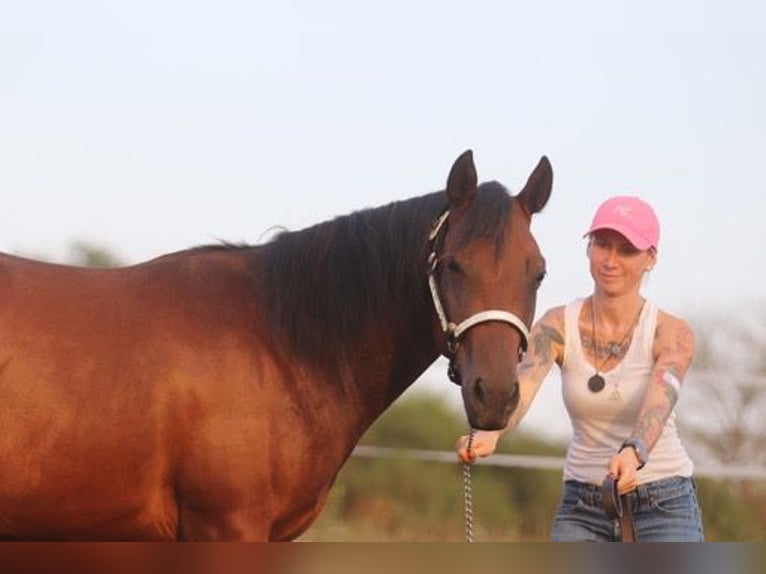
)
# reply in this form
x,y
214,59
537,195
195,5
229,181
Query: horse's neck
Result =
x,y
354,312
388,362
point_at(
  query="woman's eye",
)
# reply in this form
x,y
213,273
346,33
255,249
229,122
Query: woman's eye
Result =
x,y
628,249
601,243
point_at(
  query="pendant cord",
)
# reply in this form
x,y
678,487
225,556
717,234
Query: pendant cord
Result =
x,y
593,333
624,338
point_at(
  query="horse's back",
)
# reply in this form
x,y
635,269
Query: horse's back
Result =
x,y
96,369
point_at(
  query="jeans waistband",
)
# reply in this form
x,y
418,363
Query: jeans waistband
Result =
x,y
643,495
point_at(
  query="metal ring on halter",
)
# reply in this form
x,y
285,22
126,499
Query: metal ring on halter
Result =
x,y
452,342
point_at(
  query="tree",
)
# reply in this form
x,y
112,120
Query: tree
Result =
x,y
87,254
724,399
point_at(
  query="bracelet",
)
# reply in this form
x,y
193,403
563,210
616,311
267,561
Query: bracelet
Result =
x,y
638,446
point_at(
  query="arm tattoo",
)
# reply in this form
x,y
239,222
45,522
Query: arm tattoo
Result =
x,y
536,364
543,341
672,382
552,334
685,341
650,423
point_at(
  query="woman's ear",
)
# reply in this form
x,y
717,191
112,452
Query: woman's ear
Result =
x,y
652,259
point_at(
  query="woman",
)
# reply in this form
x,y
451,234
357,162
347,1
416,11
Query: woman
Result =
x,y
622,361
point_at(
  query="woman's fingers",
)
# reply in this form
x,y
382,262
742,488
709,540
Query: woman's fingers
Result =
x,y
483,444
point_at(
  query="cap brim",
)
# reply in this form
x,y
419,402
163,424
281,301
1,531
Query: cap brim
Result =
x,y
636,239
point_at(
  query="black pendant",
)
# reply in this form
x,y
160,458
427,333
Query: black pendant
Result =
x,y
596,383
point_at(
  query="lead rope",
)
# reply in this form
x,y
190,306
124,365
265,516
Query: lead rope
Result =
x,y
468,492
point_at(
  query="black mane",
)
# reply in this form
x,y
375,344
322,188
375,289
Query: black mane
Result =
x,y
324,286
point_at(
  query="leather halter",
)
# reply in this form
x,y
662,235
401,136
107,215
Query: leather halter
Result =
x,y
455,331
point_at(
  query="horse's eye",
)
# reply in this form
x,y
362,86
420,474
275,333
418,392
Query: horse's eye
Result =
x,y
539,278
453,266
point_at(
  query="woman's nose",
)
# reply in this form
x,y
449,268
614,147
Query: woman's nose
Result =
x,y
611,257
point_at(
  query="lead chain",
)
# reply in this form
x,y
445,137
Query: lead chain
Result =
x,y
468,492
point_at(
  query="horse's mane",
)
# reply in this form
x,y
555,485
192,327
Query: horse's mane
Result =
x,y
324,286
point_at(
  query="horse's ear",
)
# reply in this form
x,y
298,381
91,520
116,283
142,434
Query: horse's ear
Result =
x,y
536,192
461,183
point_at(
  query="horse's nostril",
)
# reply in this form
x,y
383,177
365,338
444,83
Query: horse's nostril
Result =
x,y
479,390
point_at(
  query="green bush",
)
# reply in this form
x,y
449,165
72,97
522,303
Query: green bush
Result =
x,y
400,499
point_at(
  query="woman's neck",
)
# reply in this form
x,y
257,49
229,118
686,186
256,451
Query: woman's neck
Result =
x,y
613,313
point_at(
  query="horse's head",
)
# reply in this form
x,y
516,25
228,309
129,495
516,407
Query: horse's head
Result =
x,y
486,268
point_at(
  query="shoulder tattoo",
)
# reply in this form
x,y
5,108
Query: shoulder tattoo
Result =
x,y
543,341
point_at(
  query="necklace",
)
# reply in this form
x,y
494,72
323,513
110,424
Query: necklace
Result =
x,y
596,382
611,349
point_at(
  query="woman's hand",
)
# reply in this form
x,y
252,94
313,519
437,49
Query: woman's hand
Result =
x,y
483,444
624,465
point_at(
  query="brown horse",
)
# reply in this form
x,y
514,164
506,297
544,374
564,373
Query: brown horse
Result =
x,y
216,392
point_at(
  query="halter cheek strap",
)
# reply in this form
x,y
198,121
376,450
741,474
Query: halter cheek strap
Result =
x,y
455,331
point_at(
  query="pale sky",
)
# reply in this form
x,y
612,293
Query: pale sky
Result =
x,y
151,126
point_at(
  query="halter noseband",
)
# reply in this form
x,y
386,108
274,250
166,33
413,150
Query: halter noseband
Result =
x,y
453,331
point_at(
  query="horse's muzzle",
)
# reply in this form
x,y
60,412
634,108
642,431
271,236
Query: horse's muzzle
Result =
x,y
489,408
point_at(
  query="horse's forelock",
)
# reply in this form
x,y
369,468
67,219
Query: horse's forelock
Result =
x,y
487,217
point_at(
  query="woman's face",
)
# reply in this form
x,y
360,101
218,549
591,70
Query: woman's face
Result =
x,y
615,264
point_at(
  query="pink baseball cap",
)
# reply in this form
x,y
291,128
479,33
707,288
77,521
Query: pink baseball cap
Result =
x,y
630,216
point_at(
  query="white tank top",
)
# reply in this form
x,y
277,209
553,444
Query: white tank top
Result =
x,y
602,421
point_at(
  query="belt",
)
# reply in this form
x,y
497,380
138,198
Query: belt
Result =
x,y
618,507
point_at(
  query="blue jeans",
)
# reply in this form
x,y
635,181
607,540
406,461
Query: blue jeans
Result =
x,y
663,511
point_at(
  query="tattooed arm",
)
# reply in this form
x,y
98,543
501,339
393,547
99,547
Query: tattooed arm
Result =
x,y
673,349
546,346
